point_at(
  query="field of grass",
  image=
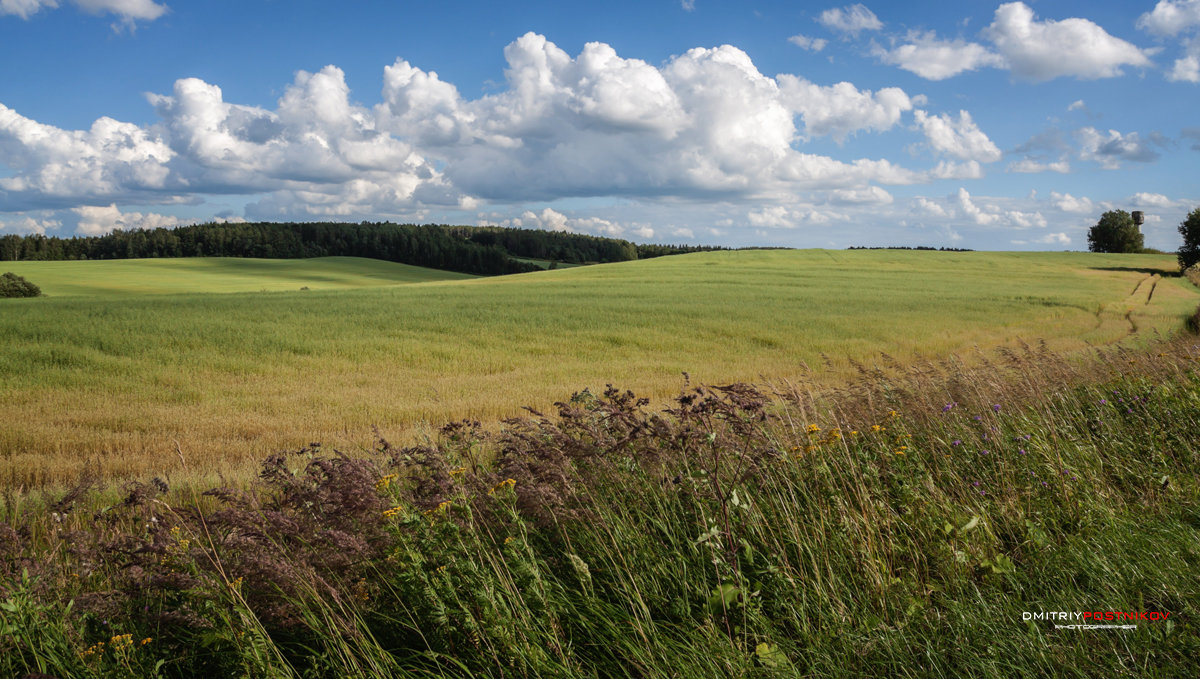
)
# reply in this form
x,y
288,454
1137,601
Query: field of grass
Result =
x,y
909,529
150,384
125,277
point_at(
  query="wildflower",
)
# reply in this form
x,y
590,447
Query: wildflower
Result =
x,y
977,418
812,429
235,584
384,482
389,513
508,539
976,484
1103,401
876,427
440,507
949,406
458,471
441,569
893,413
900,450
996,407
956,443
145,641
983,452
854,432
1021,451
509,483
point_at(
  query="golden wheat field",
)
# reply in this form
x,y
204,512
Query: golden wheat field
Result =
x,y
136,377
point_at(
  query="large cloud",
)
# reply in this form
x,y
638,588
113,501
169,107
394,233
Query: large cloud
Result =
x,y
706,125
56,167
1030,49
1044,50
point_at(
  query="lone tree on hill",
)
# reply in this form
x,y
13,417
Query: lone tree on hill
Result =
x,y
1115,232
1189,228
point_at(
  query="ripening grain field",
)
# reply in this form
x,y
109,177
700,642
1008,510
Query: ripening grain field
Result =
x,y
245,363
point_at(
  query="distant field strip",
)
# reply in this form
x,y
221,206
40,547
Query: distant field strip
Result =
x,y
122,277
119,378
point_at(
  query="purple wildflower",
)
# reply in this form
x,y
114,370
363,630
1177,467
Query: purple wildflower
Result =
x,y
984,452
949,406
1021,451
976,484
996,408
956,442
1103,401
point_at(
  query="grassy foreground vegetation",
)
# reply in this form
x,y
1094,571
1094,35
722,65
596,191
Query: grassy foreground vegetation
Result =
x,y
148,384
900,527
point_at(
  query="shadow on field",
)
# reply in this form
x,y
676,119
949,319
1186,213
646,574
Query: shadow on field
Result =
x,y
1139,269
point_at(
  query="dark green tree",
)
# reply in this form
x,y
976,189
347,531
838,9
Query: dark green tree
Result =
x,y
1189,228
1115,232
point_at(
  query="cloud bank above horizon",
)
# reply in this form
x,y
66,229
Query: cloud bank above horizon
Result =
x,y
703,146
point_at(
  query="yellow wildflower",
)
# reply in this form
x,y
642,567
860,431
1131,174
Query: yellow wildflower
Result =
x,y
812,429
509,483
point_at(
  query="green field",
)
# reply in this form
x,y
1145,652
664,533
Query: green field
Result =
x,y
122,379
124,277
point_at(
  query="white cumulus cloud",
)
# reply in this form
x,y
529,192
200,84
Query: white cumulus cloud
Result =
x,y
960,138
841,109
936,59
1185,69
1068,203
1044,50
110,159
1171,17
987,214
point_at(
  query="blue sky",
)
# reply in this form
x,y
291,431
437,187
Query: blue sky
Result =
x,y
970,124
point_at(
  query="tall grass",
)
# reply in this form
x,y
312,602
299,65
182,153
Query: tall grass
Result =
x,y
899,528
130,383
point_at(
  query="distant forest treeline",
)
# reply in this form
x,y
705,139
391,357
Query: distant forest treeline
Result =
x,y
484,250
